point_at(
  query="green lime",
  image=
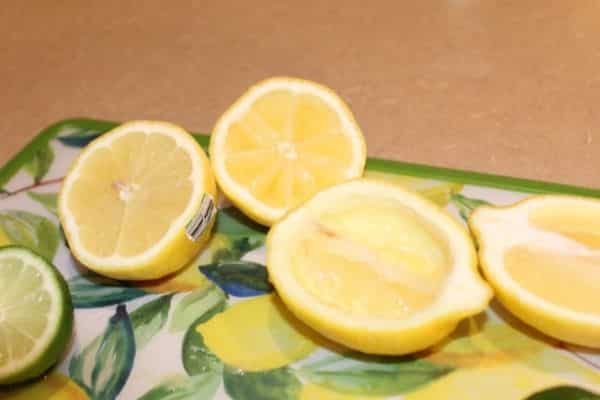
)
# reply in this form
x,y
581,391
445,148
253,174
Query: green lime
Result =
x,y
36,315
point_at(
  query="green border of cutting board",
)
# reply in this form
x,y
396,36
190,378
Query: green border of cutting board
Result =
x,y
374,164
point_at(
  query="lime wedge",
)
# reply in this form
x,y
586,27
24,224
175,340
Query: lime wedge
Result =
x,y
36,315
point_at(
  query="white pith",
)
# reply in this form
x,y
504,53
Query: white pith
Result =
x,y
503,228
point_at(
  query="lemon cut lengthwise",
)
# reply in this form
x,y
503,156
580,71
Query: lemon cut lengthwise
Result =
x,y
129,197
280,143
36,315
542,256
376,268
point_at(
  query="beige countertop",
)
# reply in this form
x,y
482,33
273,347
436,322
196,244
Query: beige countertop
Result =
x,y
508,87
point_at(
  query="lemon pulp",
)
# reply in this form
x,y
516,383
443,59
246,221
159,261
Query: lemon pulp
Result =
x,y
546,274
372,258
285,147
24,307
281,142
137,187
580,223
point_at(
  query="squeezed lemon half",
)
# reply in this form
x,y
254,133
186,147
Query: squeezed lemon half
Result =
x,y
542,256
375,267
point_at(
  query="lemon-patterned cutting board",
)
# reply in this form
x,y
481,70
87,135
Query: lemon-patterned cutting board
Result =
x,y
216,330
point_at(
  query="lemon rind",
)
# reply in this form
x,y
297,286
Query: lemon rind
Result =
x,y
552,319
465,293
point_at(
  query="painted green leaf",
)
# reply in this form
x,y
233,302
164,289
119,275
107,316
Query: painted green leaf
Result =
x,y
206,301
244,234
275,384
231,222
40,163
466,205
96,291
196,357
564,393
150,318
79,136
30,230
103,367
186,388
375,376
48,200
239,278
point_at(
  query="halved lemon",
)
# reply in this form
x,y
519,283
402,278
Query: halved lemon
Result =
x,y
542,256
281,142
137,203
36,315
375,267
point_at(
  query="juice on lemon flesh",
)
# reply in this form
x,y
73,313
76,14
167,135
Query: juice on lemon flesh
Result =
x,y
372,258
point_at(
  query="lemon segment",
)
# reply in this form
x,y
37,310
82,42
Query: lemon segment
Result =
x,y
127,200
280,143
375,267
542,257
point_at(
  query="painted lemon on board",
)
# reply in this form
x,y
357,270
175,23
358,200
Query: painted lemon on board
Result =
x,y
257,334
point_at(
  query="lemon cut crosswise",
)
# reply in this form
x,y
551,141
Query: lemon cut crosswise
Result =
x,y
375,267
281,142
127,200
36,315
542,256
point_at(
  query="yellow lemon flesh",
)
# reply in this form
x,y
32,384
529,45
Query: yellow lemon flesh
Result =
x,y
257,334
281,142
542,256
128,198
375,267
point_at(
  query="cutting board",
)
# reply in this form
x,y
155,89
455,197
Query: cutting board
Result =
x,y
139,340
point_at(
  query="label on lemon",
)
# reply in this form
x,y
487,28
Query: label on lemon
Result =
x,y
203,218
